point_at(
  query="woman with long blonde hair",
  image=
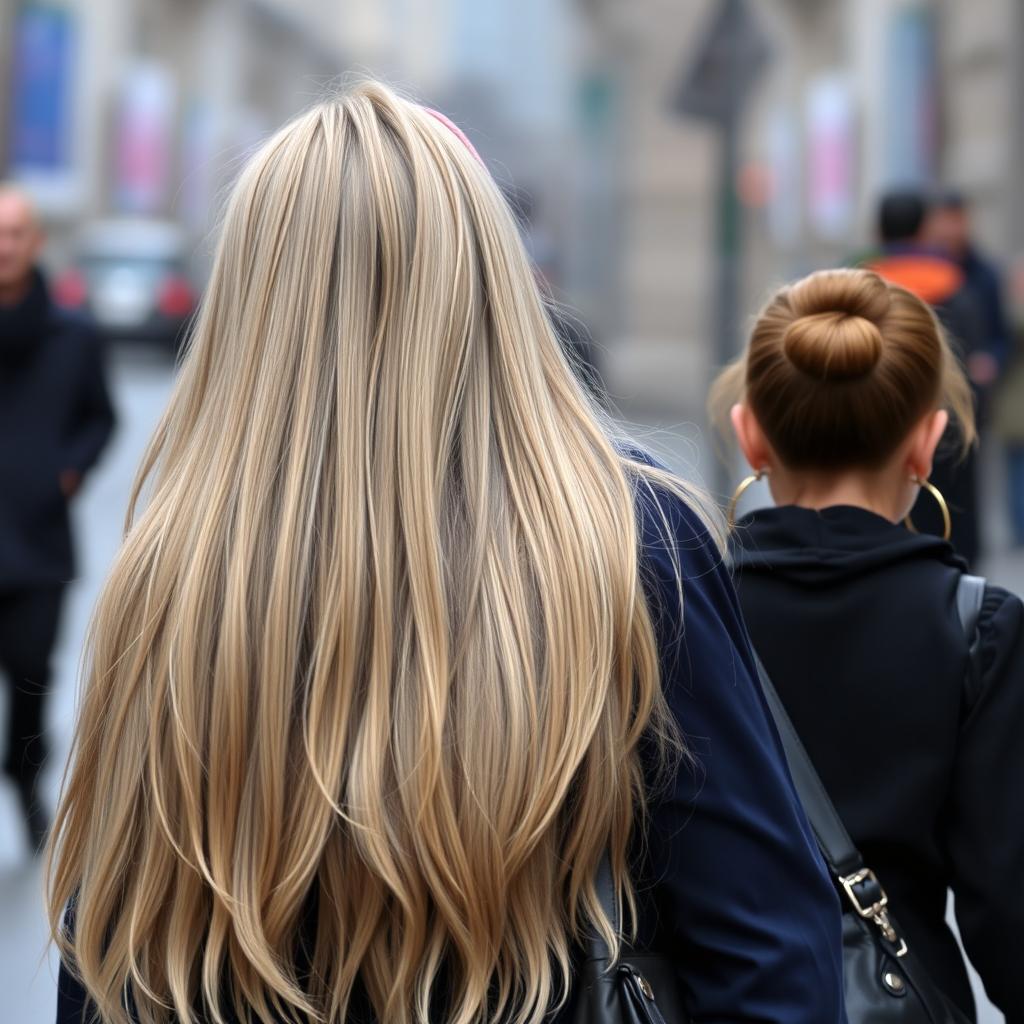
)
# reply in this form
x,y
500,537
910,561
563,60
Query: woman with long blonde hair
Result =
x,y
393,654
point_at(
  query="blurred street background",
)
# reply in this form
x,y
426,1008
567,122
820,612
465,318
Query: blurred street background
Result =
x,y
671,162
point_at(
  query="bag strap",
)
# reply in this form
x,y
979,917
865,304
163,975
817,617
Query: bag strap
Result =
x,y
605,885
860,884
970,593
842,857
844,860
595,947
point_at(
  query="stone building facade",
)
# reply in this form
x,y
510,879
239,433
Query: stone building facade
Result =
x,y
574,101
858,96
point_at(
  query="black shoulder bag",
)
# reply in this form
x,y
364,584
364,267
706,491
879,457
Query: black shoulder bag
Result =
x,y
642,988
884,983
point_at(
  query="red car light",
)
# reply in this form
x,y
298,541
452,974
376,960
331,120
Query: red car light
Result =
x,y
69,290
176,297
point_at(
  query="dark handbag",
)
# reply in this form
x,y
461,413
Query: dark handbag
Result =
x,y
642,988
884,983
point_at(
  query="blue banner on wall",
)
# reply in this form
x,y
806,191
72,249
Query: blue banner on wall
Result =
x,y
40,125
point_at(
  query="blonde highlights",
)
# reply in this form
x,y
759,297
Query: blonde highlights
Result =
x,y
366,684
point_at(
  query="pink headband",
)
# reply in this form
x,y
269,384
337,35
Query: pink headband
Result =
x,y
455,130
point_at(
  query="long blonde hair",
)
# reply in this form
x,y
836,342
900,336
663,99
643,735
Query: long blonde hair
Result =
x,y
366,683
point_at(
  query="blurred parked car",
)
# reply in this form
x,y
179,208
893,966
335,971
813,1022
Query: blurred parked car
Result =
x,y
130,276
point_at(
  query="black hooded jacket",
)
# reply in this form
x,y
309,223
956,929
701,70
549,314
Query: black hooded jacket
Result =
x,y
55,416
919,742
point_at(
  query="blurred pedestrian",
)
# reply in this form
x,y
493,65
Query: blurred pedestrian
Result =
x,y
392,662
576,339
948,228
910,260
1008,425
55,418
913,725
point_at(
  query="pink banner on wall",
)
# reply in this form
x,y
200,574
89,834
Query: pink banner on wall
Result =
x,y
831,157
145,129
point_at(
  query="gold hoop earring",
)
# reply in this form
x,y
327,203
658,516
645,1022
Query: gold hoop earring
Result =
x,y
730,515
947,520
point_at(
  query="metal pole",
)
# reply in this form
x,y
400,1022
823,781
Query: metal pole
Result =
x,y
7,20
728,297
1016,200
723,72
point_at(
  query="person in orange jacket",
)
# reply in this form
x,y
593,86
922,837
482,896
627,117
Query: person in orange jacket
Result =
x,y
905,259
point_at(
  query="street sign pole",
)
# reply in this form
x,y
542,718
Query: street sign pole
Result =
x,y
7,21
728,284
715,88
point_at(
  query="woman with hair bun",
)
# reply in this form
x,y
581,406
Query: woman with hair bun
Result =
x,y
911,715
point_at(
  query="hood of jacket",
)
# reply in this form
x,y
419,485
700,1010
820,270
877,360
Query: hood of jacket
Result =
x,y
820,547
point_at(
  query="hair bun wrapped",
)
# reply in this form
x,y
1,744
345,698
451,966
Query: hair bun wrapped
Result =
x,y
835,332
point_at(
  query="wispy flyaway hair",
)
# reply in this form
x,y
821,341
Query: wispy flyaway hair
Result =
x,y
365,687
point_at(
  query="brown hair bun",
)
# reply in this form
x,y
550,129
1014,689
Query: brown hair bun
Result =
x,y
833,346
835,332
839,368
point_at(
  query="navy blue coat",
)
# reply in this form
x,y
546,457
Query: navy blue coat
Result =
x,y
731,882
987,292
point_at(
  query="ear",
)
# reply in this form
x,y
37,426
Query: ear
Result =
x,y
924,439
750,437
